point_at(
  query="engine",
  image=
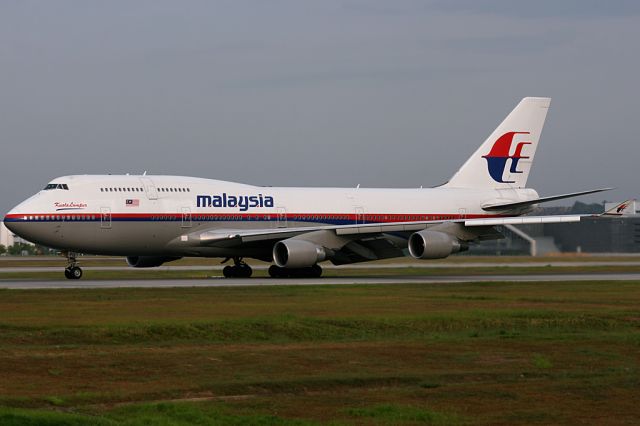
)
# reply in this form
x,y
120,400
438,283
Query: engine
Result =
x,y
149,261
297,253
434,245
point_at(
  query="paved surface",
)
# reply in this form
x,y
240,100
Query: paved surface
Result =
x,y
425,265
222,282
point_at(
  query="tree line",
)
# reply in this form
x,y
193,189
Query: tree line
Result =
x,y
19,249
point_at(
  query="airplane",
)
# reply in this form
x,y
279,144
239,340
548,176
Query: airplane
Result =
x,y
152,220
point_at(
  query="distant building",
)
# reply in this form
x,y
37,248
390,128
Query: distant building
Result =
x,y
6,237
597,234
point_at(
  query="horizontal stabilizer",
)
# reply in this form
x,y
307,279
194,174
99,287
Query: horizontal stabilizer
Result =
x,y
624,208
519,204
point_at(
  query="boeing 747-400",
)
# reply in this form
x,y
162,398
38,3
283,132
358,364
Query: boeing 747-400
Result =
x,y
156,219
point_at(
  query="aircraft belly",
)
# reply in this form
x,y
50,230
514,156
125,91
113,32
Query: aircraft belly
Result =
x,y
46,234
151,238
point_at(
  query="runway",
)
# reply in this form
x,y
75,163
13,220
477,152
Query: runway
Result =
x,y
448,265
371,280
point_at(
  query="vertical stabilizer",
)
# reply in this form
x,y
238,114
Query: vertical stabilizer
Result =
x,y
504,159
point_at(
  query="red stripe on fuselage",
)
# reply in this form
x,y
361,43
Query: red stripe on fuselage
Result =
x,y
369,217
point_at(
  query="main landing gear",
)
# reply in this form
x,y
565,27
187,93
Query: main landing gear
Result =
x,y
276,271
72,271
238,270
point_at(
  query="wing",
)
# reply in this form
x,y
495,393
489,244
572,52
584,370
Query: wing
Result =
x,y
361,242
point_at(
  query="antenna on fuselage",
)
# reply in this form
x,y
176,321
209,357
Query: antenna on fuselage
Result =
x,y
145,173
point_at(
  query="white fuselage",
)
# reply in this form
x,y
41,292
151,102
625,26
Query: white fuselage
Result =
x,y
147,215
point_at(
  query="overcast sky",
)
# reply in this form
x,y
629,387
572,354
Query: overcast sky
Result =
x,y
323,93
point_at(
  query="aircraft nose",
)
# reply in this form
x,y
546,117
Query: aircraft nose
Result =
x,y
10,220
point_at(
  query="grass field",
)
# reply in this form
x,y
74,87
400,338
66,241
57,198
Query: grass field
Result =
x,y
483,353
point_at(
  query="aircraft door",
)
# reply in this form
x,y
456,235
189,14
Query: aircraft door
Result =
x,y
359,215
149,188
281,217
186,217
105,218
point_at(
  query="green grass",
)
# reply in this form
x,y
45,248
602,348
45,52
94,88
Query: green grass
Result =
x,y
456,353
541,362
143,414
394,414
288,328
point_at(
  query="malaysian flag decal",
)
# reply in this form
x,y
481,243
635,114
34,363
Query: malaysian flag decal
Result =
x,y
133,203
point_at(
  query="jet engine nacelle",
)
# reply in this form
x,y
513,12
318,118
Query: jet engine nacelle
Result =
x,y
434,245
297,253
149,261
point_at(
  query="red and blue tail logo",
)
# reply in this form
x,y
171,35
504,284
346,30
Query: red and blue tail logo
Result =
x,y
499,154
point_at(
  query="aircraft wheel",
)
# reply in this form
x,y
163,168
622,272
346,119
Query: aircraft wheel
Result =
x,y
228,272
276,272
244,271
315,271
73,273
237,271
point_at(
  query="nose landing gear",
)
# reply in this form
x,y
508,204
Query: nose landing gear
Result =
x,y
72,271
238,270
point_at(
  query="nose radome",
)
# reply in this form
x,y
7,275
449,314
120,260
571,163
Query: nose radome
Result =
x,y
9,220
16,215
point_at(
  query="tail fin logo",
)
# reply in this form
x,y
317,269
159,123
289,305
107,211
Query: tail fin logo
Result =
x,y
622,207
499,154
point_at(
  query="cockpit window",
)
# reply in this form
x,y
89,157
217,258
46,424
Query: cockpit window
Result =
x,y
56,186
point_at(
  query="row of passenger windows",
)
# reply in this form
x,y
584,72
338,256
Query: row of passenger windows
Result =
x,y
121,189
174,189
61,217
399,218
135,189
231,217
331,217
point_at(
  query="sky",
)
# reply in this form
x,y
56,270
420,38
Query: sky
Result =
x,y
314,93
